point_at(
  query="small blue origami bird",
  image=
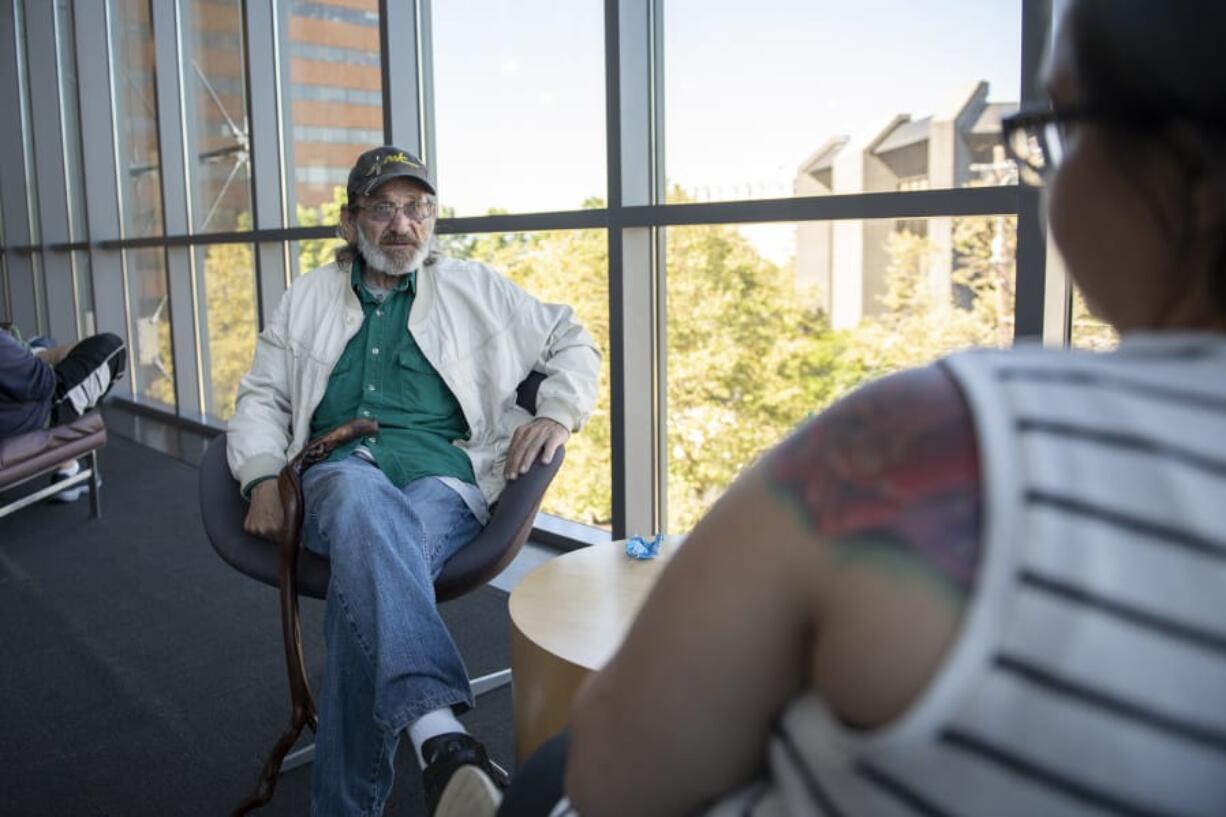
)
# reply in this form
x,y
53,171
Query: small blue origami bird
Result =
x,y
639,548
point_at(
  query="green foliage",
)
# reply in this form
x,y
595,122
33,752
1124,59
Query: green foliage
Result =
x,y
746,361
1089,331
229,285
315,252
570,267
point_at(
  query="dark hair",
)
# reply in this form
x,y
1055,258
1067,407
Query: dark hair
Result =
x,y
1159,64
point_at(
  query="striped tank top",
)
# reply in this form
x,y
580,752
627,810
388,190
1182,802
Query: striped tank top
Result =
x,y
1089,673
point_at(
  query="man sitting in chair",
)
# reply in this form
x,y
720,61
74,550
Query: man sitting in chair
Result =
x,y
53,385
432,348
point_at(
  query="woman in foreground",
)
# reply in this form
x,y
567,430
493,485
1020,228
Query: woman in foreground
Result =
x,y
995,585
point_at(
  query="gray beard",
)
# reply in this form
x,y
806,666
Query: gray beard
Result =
x,y
380,261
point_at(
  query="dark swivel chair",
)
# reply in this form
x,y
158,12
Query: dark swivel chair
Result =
x,y
297,571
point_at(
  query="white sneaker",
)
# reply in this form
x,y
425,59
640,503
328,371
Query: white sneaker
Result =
x,y
469,793
68,494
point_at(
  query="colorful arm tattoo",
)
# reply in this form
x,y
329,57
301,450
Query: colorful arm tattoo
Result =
x,y
891,471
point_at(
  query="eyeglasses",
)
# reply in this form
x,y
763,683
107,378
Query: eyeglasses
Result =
x,y
1036,140
384,211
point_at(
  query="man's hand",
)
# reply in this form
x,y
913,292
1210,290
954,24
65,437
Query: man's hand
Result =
x,y
539,438
265,517
52,355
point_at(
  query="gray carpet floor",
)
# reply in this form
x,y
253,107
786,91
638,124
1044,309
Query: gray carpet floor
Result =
x,y
143,676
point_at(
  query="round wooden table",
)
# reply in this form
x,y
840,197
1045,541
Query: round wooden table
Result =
x,y
568,617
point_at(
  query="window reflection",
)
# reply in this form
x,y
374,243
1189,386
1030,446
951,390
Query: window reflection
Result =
x,y
334,90
151,348
83,283
218,133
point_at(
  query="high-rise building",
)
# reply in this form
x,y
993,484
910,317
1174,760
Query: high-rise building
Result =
x,y
845,262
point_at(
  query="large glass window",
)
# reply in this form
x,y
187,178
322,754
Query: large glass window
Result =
x,y
218,135
151,351
770,324
519,105
778,98
230,322
334,90
570,267
136,117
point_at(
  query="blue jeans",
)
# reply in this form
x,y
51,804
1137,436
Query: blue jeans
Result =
x,y
390,658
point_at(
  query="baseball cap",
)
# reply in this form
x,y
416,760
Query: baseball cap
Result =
x,y
382,164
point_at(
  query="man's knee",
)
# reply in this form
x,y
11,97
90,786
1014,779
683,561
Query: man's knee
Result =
x,y
348,490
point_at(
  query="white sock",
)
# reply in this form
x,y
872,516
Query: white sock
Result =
x,y
434,723
68,469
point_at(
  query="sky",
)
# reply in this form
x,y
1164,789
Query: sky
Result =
x,y
751,89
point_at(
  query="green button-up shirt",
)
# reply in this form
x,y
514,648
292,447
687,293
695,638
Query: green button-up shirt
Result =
x,y
383,375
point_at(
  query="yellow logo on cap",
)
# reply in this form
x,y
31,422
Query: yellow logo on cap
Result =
x,y
392,158
401,158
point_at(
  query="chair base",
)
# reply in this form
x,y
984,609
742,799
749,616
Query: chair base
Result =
x,y
489,683
90,474
298,757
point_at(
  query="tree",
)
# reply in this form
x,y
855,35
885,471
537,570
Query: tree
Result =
x,y
1089,331
233,322
570,267
746,361
917,324
315,252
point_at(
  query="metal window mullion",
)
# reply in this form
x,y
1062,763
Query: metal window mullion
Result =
x,y
659,266
1032,283
42,49
268,187
176,211
1058,290
425,102
94,97
633,320
404,37
960,202
14,194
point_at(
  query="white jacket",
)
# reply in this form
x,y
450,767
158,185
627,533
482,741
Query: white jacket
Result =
x,y
480,331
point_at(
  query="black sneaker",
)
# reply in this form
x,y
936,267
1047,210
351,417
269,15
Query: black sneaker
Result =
x,y
445,755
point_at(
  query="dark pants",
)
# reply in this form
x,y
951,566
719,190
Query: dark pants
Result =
x,y
85,375
539,783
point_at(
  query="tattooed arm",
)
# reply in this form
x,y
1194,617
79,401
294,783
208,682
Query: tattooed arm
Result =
x,y
842,561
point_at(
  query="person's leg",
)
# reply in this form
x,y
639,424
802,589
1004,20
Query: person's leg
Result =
x,y
538,787
390,658
86,374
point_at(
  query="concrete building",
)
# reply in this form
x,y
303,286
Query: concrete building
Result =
x,y
844,263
